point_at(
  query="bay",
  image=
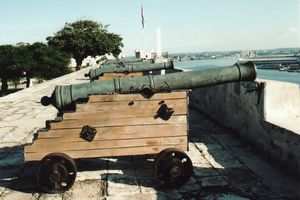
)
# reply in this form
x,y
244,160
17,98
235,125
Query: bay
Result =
x,y
292,77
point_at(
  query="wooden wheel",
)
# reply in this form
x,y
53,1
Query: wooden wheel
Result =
x,y
172,167
56,173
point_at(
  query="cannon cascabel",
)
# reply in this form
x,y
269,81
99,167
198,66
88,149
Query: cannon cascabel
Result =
x,y
147,85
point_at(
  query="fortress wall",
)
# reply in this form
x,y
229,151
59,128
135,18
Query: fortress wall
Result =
x,y
265,113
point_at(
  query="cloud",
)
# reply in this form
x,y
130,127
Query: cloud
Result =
x,y
292,30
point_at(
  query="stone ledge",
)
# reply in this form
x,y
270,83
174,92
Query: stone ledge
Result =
x,y
268,118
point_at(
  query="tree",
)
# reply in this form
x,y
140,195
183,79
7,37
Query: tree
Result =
x,y
32,61
48,62
24,61
8,66
41,61
86,38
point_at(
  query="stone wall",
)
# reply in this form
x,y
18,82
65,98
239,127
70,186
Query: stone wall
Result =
x,y
266,113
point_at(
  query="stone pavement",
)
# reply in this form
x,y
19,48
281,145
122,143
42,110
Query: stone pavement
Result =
x,y
224,167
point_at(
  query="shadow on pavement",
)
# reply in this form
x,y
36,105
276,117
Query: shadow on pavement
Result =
x,y
14,173
222,175
137,171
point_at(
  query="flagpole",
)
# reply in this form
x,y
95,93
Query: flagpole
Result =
x,y
143,26
142,38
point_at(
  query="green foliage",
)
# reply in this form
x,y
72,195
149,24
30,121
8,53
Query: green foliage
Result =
x,y
31,61
48,62
86,38
8,66
79,39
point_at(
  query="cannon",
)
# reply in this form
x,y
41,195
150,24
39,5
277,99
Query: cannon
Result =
x,y
150,84
109,123
128,60
128,68
124,63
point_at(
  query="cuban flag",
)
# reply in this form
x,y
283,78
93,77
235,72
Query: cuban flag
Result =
x,y
142,14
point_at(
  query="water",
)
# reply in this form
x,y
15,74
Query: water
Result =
x,y
292,77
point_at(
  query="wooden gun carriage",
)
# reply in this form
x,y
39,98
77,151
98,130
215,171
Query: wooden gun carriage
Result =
x,y
116,120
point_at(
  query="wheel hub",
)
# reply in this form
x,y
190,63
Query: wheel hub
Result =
x,y
175,172
54,177
172,167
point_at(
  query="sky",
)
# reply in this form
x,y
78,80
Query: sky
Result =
x,y
185,26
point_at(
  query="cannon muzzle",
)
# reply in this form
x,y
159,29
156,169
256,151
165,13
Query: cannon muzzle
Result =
x,y
150,84
128,68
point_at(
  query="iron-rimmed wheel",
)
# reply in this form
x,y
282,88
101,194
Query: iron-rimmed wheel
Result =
x,y
56,173
172,167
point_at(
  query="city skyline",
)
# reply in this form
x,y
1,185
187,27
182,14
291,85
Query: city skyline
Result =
x,y
186,26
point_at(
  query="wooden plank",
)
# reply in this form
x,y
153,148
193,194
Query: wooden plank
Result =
x,y
57,146
107,152
108,76
102,122
128,104
118,132
125,109
137,97
107,137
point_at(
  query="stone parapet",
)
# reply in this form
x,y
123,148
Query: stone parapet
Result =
x,y
266,113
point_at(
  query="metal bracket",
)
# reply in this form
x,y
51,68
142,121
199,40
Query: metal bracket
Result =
x,y
258,88
88,133
164,112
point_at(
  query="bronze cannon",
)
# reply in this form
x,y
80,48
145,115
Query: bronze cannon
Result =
x,y
128,68
150,84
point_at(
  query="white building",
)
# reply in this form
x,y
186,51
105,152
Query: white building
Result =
x,y
143,54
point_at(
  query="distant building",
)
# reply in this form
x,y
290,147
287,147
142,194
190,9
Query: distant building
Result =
x,y
143,54
273,62
72,64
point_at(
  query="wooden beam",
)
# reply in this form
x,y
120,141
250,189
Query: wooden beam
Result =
x,y
125,109
103,122
136,97
118,132
107,152
58,146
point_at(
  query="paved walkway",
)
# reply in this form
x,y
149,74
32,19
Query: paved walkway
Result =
x,y
21,113
225,168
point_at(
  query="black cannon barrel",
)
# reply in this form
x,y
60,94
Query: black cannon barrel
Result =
x,y
150,84
138,67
